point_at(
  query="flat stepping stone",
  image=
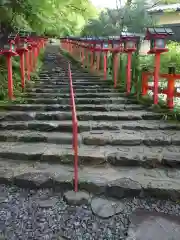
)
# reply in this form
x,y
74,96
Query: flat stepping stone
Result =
x,y
46,203
106,208
3,197
153,226
76,198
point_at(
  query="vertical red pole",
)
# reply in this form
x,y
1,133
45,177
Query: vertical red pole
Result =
x,y
22,70
84,60
115,69
128,77
144,83
80,53
30,61
82,56
156,76
34,58
170,94
87,52
119,68
91,63
98,60
10,79
75,50
27,64
105,65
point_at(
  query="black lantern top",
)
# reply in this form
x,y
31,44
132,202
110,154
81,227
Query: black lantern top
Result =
x,y
160,32
114,37
125,36
63,38
83,39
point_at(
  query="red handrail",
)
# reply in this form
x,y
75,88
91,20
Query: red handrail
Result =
x,y
170,91
75,130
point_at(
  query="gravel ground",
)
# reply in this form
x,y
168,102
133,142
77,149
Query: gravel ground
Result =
x,y
28,215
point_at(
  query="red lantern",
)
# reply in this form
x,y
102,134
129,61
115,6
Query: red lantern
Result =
x,y
130,41
157,37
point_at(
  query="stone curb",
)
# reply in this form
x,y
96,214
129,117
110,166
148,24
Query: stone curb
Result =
x,y
120,188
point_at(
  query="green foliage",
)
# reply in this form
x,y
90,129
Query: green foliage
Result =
x,y
56,17
51,17
167,1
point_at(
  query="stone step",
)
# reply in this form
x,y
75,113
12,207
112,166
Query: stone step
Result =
x,y
133,156
77,95
131,138
82,115
116,100
79,107
112,182
60,86
66,126
83,76
66,83
35,136
76,75
97,137
66,90
60,80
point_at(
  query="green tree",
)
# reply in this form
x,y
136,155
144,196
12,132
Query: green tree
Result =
x,y
165,2
133,17
57,17
52,17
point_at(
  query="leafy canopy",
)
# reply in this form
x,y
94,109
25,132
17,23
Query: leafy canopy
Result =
x,y
56,17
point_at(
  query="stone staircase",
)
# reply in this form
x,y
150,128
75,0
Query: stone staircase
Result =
x,y
124,149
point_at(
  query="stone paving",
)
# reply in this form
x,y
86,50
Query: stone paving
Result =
x,y
125,149
49,215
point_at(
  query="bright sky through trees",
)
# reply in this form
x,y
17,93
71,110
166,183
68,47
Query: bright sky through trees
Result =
x,y
105,3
